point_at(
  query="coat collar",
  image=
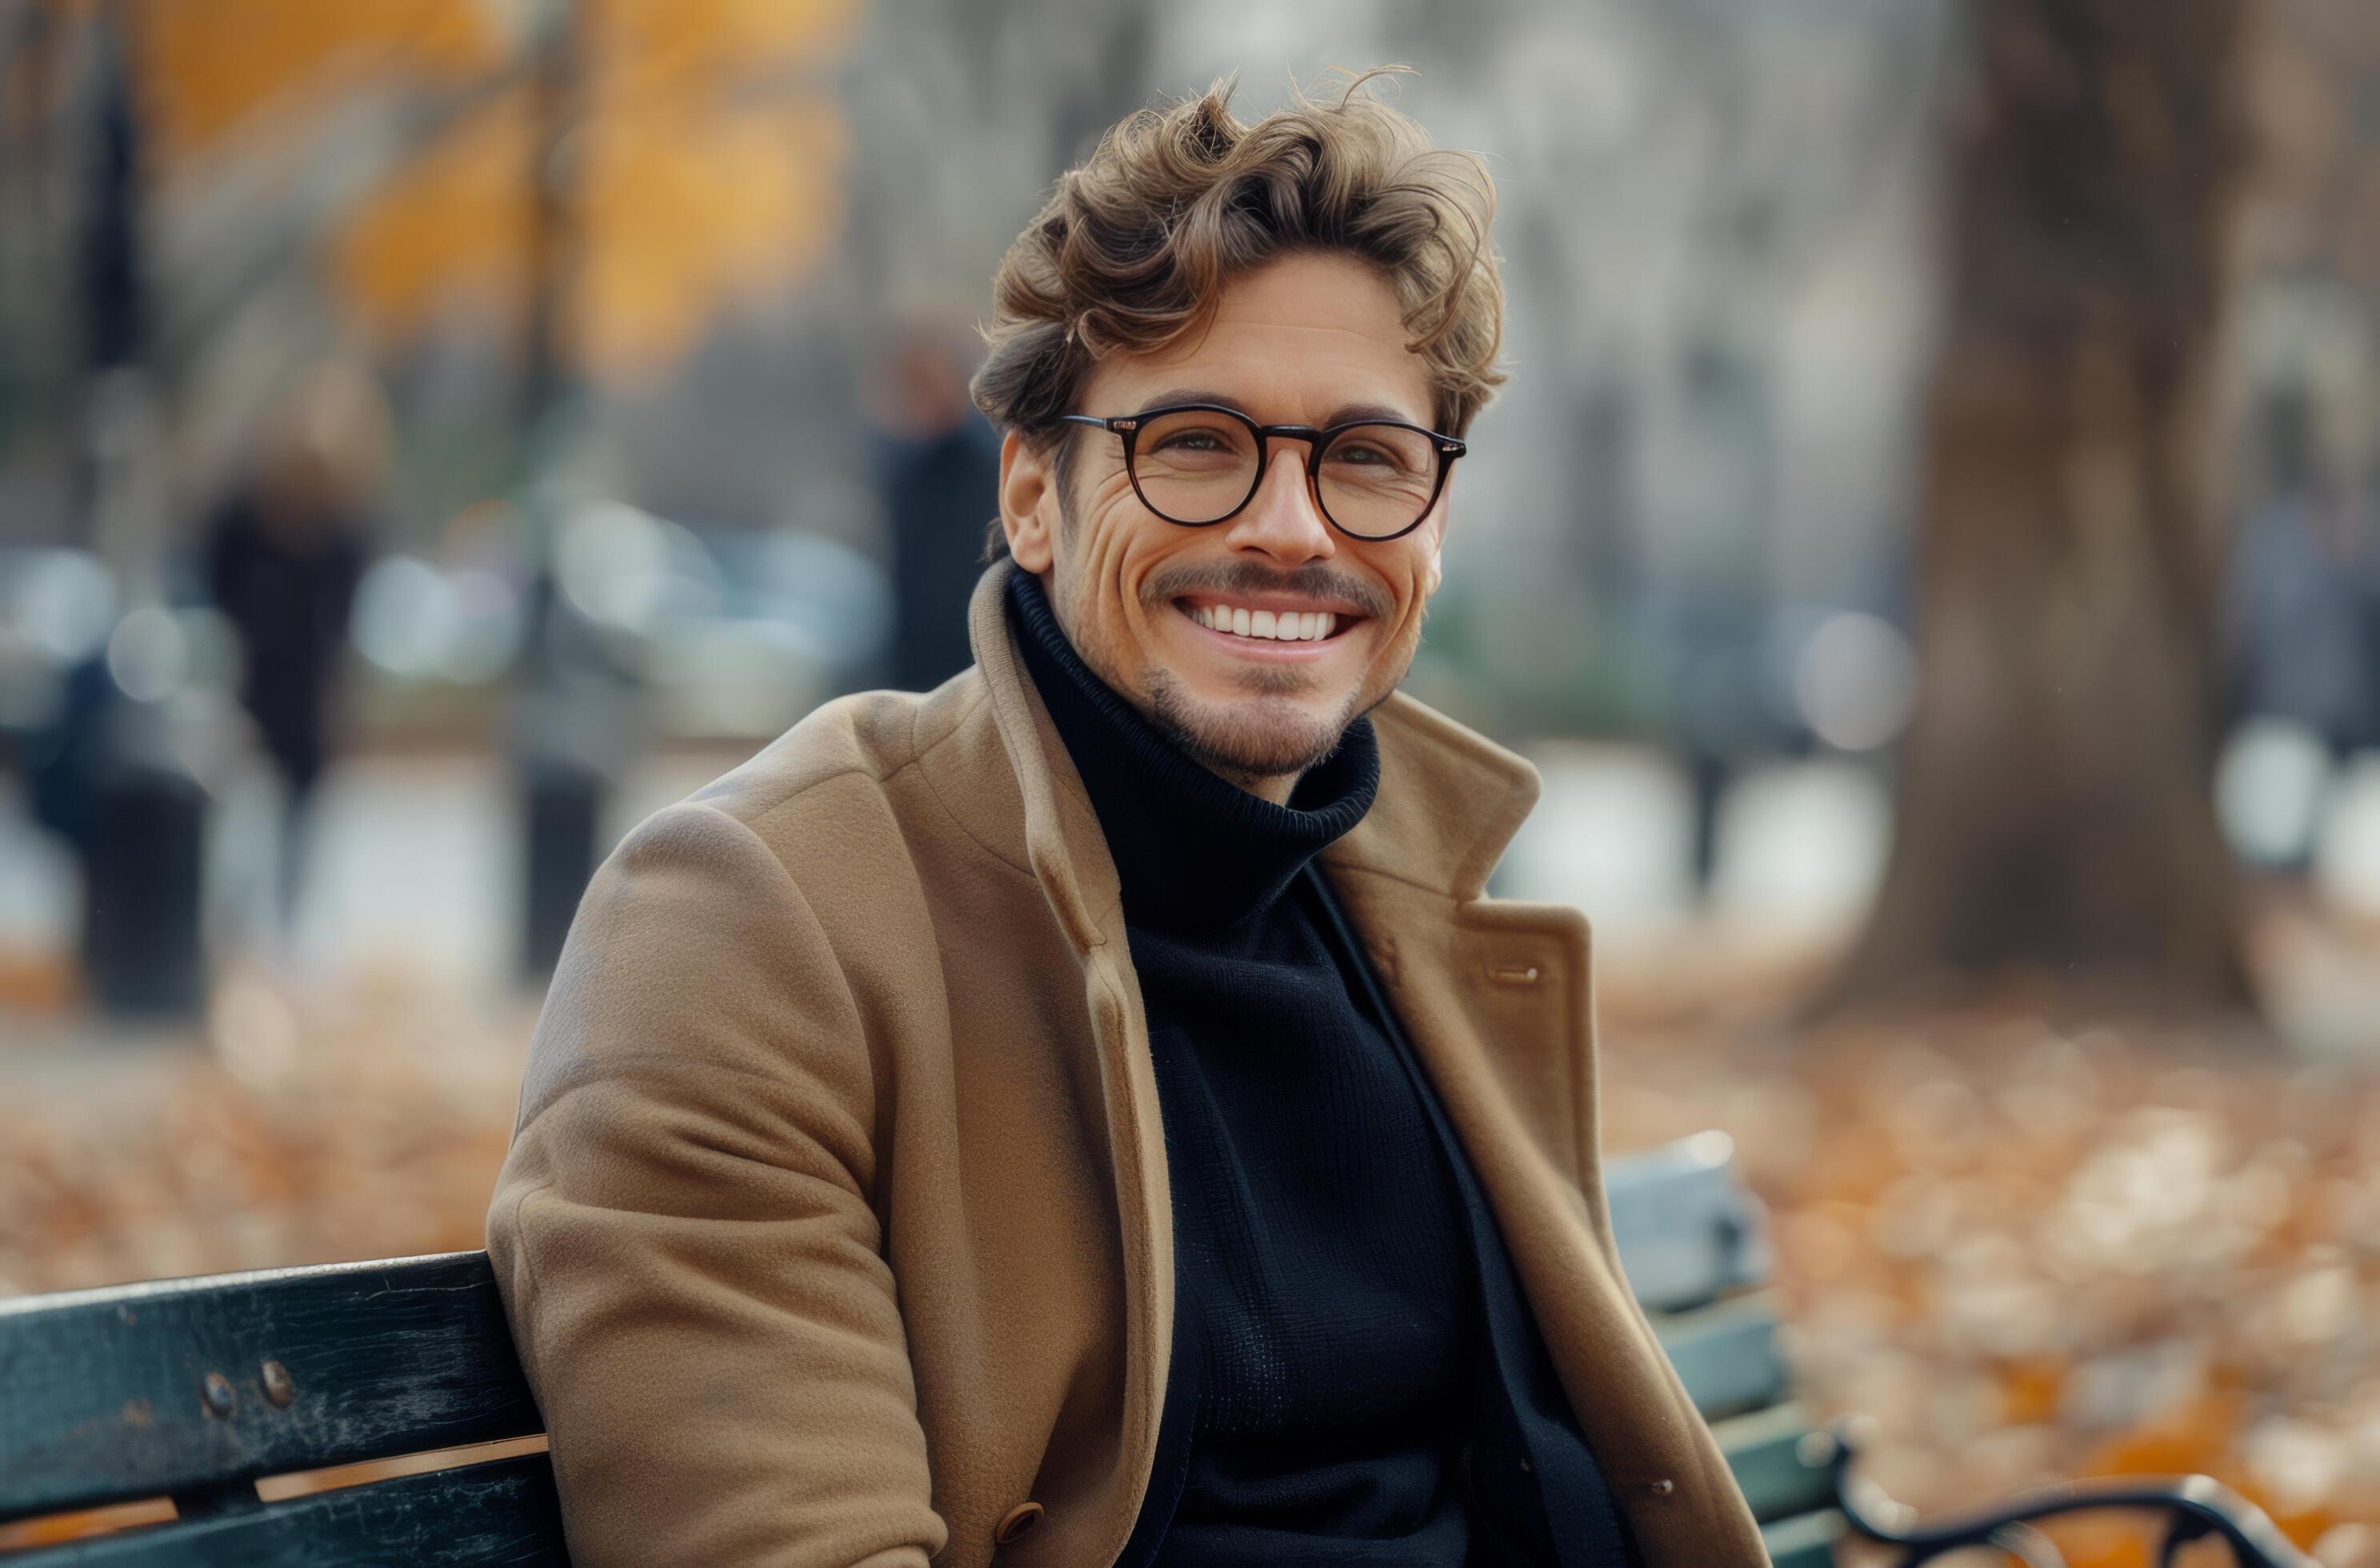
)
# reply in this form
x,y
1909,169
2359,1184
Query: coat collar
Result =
x,y
1449,800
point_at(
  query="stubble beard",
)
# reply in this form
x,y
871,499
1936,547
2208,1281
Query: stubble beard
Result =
x,y
1265,737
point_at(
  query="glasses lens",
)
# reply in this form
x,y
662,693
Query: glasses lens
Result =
x,y
1378,479
1194,466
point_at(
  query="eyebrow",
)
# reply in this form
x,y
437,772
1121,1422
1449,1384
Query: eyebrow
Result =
x,y
1345,413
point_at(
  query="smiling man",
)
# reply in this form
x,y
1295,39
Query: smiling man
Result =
x,y
1091,1112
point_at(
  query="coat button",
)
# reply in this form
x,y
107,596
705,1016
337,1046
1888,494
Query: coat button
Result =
x,y
1662,1487
1016,1522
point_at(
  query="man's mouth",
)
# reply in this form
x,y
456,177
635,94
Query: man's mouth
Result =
x,y
1265,623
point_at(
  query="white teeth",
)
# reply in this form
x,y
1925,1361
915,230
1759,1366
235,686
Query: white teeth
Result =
x,y
1278,625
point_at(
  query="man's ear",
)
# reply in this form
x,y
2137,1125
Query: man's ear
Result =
x,y
1029,502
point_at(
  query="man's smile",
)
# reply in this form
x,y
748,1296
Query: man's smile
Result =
x,y
1273,628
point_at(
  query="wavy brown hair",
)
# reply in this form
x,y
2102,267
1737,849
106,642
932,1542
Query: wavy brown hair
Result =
x,y
1133,249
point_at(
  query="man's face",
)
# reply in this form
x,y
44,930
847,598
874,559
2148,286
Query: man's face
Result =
x,y
1309,340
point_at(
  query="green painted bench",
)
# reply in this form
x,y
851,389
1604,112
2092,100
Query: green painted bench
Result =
x,y
195,1390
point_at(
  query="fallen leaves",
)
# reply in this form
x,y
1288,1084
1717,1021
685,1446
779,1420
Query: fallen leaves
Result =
x,y
2031,1253
2034,1254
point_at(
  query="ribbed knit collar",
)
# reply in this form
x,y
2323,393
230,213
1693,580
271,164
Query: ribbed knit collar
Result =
x,y
1193,852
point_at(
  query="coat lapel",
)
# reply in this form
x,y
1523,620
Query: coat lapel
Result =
x,y
1069,857
1497,998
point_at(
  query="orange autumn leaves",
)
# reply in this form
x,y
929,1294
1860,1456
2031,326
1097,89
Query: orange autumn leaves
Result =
x,y
204,72
2031,1253
701,171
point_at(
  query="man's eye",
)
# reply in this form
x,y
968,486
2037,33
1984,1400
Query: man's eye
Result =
x,y
1193,441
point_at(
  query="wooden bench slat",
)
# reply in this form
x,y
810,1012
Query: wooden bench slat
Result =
x,y
106,1390
1807,1541
499,1514
1727,1356
1688,1231
1764,1448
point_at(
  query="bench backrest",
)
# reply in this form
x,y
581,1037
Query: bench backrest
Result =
x,y
195,1389
1695,1242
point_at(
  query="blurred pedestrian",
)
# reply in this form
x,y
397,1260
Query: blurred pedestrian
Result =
x,y
284,551
2301,578
938,466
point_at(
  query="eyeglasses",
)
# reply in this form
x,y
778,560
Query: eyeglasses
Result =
x,y
1199,463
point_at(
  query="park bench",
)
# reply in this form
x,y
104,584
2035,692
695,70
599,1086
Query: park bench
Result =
x,y
196,1390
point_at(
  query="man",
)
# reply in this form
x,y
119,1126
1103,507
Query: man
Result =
x,y
1089,1114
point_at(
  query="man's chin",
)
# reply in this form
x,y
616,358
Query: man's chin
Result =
x,y
1259,738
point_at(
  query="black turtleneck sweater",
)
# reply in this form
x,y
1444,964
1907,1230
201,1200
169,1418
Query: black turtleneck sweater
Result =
x,y
1355,1376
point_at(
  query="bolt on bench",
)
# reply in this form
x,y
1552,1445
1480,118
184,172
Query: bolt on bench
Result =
x,y
194,1389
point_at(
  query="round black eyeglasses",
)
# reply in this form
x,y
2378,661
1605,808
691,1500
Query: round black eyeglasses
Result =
x,y
1199,463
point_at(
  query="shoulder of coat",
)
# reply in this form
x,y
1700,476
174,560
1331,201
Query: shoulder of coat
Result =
x,y
872,735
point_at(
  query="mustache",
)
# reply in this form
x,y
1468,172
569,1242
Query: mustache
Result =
x,y
1226,578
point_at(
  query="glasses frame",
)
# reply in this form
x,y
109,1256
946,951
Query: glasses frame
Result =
x,y
1128,428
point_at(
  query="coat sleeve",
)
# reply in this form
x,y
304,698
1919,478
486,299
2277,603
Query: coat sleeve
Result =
x,y
683,1235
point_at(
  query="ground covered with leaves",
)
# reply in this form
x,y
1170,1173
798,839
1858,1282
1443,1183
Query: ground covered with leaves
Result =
x,y
2033,1251
2029,1251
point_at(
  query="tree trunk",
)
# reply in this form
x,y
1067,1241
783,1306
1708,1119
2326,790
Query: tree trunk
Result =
x,y
2055,818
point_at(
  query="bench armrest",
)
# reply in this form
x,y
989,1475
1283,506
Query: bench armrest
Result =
x,y
2193,1507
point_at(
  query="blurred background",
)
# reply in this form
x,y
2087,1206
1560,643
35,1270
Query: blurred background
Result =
x,y
1928,543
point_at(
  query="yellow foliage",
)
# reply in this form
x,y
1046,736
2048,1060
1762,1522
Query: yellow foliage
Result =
x,y
694,197
672,43
688,211
705,171
206,67
453,225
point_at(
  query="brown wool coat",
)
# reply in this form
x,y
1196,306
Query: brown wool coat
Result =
x,y
836,1226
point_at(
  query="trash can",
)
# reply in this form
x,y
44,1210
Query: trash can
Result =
x,y
142,948
563,806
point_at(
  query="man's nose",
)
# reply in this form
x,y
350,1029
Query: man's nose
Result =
x,y
1282,519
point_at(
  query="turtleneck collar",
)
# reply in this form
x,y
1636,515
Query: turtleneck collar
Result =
x,y
1193,852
